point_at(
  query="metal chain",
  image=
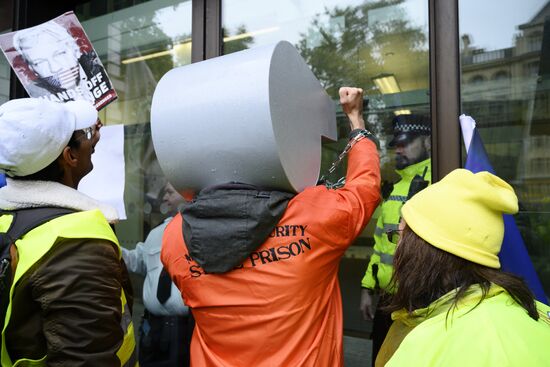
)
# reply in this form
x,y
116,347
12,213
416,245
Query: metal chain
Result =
x,y
342,181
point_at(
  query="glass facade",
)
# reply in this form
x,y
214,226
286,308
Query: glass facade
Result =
x,y
4,77
5,27
505,69
381,47
138,44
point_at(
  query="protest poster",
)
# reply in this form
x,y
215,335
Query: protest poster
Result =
x,y
55,60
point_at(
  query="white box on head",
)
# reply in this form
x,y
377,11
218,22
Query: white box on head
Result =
x,y
255,116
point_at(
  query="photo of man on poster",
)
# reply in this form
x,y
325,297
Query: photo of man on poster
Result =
x,y
55,60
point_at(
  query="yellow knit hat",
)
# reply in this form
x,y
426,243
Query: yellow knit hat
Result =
x,y
462,214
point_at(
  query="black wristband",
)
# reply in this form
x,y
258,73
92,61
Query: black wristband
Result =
x,y
365,133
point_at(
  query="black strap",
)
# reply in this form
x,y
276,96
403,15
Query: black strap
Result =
x,y
164,286
418,183
24,220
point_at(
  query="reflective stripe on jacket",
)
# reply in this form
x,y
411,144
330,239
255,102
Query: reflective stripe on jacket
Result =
x,y
37,243
497,332
390,216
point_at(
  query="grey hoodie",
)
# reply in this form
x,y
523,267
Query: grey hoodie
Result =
x,y
225,223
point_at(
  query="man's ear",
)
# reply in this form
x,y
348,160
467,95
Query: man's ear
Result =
x,y
68,157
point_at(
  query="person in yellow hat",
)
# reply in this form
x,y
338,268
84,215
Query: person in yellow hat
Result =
x,y
453,305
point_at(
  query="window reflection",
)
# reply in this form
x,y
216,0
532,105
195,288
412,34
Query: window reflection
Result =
x,y
4,76
505,87
138,44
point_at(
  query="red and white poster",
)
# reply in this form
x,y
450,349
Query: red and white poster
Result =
x,y
55,60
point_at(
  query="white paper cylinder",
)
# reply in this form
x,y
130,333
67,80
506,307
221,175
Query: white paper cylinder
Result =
x,y
255,116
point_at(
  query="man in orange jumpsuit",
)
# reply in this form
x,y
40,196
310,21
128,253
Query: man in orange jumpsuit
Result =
x,y
260,268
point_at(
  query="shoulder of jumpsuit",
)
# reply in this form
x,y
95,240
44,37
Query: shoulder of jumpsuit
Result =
x,y
409,172
172,240
154,238
173,223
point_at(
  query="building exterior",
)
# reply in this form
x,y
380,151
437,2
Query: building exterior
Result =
x,y
506,90
410,56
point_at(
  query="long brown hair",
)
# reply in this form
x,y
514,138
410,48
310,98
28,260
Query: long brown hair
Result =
x,y
423,273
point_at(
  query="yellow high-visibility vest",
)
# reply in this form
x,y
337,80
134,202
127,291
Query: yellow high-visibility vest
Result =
x,y
390,216
37,243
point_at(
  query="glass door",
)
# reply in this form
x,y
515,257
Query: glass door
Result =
x,y
382,47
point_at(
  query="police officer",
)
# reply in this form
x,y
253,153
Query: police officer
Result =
x,y
412,144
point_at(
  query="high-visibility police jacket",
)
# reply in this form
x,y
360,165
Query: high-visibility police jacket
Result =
x,y
390,216
34,250
497,332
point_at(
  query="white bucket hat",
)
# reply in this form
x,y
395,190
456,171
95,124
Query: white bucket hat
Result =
x,y
34,132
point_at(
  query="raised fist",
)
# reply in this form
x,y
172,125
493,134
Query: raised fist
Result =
x,y
351,99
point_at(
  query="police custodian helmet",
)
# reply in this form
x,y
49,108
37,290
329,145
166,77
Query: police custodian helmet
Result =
x,y
408,127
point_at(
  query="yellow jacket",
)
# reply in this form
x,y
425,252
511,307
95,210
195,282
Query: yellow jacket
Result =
x,y
35,249
389,218
495,332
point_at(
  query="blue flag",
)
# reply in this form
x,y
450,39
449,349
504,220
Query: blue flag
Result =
x,y
2,180
513,254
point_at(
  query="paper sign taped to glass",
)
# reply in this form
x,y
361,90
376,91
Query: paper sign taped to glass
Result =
x,y
55,60
255,116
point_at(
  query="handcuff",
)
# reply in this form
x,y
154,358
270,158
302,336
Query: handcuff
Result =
x,y
355,136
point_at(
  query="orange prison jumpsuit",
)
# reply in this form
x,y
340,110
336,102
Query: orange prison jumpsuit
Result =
x,y
282,306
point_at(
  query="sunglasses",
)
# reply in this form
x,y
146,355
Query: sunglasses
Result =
x,y
89,132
